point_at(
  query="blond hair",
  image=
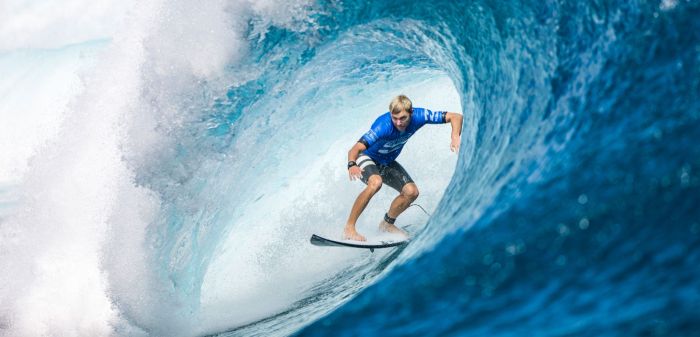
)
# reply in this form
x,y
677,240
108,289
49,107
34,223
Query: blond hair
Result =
x,y
400,103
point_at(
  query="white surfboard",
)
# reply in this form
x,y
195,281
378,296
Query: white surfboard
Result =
x,y
386,240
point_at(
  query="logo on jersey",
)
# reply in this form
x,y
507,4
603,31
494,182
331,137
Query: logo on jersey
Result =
x,y
371,136
395,144
432,116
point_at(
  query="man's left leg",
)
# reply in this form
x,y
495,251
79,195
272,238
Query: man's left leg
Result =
x,y
409,193
396,176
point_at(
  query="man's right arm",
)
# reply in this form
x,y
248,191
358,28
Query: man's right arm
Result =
x,y
355,171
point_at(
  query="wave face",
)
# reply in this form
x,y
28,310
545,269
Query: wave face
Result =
x,y
206,144
572,210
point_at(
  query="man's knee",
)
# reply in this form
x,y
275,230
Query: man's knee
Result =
x,y
410,191
374,183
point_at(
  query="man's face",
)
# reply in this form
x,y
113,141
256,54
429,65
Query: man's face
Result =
x,y
401,120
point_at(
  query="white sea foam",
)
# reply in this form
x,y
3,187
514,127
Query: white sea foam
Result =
x,y
73,255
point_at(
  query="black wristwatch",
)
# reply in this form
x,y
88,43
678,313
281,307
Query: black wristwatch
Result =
x,y
351,164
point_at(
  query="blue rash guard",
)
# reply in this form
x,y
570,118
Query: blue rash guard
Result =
x,y
384,141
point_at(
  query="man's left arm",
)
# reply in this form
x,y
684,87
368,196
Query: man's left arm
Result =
x,y
455,121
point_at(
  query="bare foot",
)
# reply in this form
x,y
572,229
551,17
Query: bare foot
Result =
x,y
391,228
351,234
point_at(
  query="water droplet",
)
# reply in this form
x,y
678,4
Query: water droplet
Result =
x,y
685,176
563,229
515,248
583,223
582,199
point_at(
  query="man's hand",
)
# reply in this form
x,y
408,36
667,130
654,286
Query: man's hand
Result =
x,y
455,121
454,145
355,172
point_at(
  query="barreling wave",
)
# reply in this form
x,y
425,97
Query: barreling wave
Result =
x,y
208,143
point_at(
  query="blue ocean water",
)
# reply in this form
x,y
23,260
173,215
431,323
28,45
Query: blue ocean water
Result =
x,y
570,210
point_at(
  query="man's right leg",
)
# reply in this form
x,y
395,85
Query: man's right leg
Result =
x,y
374,183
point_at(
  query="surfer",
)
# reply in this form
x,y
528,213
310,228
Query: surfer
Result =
x,y
373,159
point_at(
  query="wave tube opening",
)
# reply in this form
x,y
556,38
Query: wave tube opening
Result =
x,y
236,207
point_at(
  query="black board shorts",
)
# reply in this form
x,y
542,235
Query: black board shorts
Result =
x,y
393,174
